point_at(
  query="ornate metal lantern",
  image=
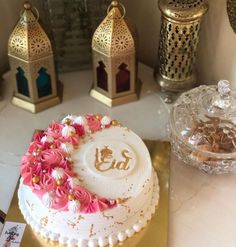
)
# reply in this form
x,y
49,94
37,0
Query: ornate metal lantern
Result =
x,y
114,59
180,25
32,65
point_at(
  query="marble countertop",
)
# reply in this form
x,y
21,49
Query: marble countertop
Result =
x,y
202,207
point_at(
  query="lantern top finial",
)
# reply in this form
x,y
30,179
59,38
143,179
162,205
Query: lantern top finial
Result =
x,y
113,36
114,3
28,40
27,5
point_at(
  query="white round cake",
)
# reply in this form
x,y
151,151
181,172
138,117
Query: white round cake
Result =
x,y
87,181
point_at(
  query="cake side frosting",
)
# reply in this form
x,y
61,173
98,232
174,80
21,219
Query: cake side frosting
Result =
x,y
99,229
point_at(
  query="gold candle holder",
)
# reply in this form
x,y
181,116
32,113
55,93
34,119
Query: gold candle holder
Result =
x,y
114,59
32,64
179,37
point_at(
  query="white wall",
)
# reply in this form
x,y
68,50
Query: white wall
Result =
x,y
217,50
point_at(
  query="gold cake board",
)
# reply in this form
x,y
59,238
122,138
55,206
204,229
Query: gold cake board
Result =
x,y
155,234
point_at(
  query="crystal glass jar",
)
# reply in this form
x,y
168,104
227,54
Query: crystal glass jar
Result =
x,y
203,128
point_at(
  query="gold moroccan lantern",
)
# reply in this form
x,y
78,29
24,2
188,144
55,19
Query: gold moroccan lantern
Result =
x,y
180,26
32,64
114,59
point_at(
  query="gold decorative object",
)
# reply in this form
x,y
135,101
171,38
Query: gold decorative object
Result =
x,y
179,37
32,64
114,59
231,10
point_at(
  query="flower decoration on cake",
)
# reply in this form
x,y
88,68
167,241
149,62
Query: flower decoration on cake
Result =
x,y
47,166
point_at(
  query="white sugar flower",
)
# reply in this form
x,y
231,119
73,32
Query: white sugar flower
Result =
x,y
47,139
68,131
105,120
70,117
80,120
58,173
73,182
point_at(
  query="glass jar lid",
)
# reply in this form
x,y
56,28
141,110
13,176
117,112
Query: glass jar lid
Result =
x,y
204,119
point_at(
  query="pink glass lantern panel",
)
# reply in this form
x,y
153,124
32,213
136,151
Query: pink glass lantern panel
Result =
x,y
102,76
123,79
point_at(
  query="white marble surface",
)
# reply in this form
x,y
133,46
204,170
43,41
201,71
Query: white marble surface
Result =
x,y
202,207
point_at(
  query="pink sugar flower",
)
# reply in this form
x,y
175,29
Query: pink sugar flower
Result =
x,y
54,130
35,147
93,123
52,156
38,136
79,129
83,195
74,140
46,183
61,199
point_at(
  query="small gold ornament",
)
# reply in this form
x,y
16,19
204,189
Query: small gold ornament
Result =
x,y
114,59
114,122
60,181
118,201
53,146
71,197
32,64
35,179
99,117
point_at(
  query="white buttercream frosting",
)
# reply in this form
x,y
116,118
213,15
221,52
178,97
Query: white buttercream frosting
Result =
x,y
92,243
58,173
71,117
102,242
105,120
73,182
74,206
112,239
80,120
121,236
130,232
47,139
68,131
67,147
47,199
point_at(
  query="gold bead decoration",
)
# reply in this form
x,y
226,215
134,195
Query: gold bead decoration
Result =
x,y
114,122
71,197
35,179
53,146
118,201
99,116
60,181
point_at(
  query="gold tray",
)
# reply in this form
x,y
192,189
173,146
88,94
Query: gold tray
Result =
x,y
156,232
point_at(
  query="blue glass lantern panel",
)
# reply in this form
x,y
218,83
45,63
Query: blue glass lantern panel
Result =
x,y
44,85
102,76
123,79
22,82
